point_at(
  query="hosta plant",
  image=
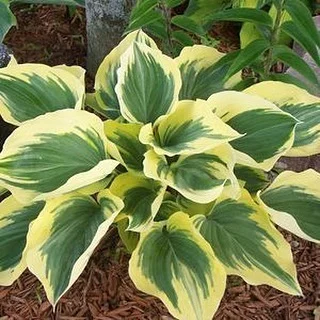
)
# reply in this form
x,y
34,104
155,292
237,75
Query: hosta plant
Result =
x,y
179,167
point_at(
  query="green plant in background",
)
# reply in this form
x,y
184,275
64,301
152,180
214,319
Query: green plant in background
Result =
x,y
8,20
175,31
178,167
266,34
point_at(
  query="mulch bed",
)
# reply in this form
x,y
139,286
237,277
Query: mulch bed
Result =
x,y
104,291
46,34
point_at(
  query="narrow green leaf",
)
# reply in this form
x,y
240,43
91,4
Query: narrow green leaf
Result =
x,y
200,10
290,58
243,15
287,78
302,18
188,24
183,38
173,3
158,29
247,55
303,38
142,14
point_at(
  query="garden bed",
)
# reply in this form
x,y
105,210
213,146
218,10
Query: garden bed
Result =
x,y
104,291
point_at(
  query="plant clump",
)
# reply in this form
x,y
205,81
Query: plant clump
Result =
x,y
180,166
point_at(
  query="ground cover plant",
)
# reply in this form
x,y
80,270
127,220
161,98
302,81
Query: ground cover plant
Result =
x,y
179,167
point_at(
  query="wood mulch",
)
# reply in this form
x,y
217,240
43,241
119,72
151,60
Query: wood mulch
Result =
x,y
104,291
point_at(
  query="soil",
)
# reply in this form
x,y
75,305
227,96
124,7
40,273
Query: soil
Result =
x,y
46,34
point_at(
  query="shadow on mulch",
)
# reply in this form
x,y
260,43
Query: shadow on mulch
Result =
x,y
104,291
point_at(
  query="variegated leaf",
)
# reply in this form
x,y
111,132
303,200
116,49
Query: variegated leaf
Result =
x,y
77,71
248,245
193,208
30,90
142,198
129,238
13,61
124,144
107,77
203,72
191,128
253,179
54,154
268,131
95,187
174,263
64,236
303,106
3,191
293,201
148,84
168,207
15,219
199,177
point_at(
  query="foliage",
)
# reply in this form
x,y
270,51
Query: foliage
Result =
x,y
175,31
180,167
8,20
268,28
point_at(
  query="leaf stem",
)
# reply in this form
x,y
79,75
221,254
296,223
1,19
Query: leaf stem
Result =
x,y
167,15
274,38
